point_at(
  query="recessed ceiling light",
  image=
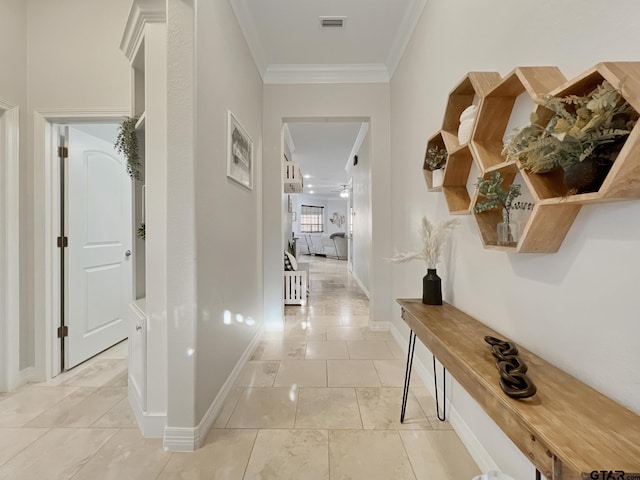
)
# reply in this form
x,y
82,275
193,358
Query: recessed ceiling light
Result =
x,y
311,191
307,176
309,186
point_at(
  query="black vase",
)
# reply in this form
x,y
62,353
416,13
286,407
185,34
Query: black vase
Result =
x,y
587,176
431,288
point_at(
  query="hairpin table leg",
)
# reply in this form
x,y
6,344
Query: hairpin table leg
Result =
x,y
407,375
444,387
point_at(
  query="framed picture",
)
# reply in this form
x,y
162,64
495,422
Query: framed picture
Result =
x,y
289,205
239,153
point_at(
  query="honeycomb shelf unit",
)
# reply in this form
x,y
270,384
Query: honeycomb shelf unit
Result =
x,y
454,184
497,107
471,89
623,180
435,141
554,209
543,230
473,86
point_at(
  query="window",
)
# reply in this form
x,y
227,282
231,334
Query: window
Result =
x,y
311,219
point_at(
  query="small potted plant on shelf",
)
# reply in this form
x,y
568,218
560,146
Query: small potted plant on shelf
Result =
x,y
497,197
127,144
434,161
583,137
434,238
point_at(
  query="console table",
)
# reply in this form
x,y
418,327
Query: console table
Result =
x,y
568,430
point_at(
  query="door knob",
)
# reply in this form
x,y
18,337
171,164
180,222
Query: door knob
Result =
x,y
127,253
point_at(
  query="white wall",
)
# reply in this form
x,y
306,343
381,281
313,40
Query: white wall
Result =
x,y
577,308
74,64
339,206
362,233
13,91
332,101
228,216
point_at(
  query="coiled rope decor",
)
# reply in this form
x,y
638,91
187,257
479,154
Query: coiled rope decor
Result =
x,y
512,369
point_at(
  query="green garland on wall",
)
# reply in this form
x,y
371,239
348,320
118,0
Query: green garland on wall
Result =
x,y
127,144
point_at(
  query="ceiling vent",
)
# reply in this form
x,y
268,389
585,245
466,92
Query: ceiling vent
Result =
x,y
332,22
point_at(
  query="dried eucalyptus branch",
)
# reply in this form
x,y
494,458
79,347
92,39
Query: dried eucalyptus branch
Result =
x,y
434,238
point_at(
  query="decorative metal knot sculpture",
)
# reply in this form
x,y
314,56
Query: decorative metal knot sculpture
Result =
x,y
512,369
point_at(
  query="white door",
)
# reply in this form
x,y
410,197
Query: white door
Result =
x,y
98,280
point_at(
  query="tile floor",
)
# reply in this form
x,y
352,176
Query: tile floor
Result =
x,y
320,400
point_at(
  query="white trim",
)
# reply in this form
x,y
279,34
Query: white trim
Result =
x,y
355,73
405,32
361,285
364,128
379,326
477,451
141,13
288,139
10,376
46,188
84,115
139,391
27,375
46,222
188,439
250,33
152,425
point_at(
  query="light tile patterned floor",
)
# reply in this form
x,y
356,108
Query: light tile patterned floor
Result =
x,y
319,401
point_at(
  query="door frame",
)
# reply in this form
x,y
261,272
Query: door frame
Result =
x,y
10,376
47,227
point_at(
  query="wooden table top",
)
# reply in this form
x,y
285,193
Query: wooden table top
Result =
x,y
566,427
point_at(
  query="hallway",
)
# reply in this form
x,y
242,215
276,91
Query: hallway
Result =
x,y
320,400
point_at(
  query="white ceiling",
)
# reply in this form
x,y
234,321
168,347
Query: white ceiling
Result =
x,y
323,150
288,46
287,43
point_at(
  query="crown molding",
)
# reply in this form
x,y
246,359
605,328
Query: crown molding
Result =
x,y
141,13
84,114
355,73
405,32
250,32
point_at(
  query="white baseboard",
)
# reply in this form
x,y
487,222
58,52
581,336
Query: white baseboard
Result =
x,y
151,424
29,374
188,439
379,326
361,285
180,439
468,438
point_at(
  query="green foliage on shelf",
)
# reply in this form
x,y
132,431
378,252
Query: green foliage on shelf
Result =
x,y
435,158
580,126
127,144
496,196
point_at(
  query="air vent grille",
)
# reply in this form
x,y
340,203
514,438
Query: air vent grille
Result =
x,y
332,22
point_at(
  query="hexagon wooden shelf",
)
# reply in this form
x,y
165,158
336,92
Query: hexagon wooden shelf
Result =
x,y
623,180
542,232
454,185
473,84
497,106
554,210
434,141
